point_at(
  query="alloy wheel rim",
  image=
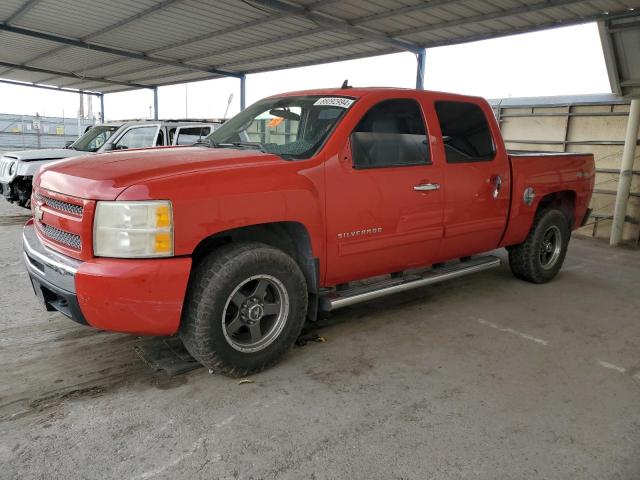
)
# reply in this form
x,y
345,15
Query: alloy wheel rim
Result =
x,y
550,247
255,313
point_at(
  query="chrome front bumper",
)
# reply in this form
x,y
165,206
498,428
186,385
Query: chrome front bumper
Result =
x,y
52,275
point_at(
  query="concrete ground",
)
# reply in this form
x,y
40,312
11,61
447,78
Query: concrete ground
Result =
x,y
484,377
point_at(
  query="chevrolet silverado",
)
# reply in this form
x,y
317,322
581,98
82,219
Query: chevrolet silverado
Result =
x,y
281,213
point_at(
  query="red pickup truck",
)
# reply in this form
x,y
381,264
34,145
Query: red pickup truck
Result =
x,y
280,213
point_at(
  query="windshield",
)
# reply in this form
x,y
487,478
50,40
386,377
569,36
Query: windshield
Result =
x,y
291,127
93,139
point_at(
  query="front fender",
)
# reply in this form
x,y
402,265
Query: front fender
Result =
x,y
210,202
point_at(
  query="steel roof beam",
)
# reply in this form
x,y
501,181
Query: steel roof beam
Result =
x,y
75,42
427,28
488,16
49,87
22,10
217,33
428,45
121,23
338,24
71,75
359,21
242,26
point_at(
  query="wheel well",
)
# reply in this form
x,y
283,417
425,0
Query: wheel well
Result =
x,y
290,237
564,201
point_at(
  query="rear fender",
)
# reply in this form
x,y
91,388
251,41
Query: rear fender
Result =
x,y
522,216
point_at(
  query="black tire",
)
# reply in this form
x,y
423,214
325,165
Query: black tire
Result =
x,y
539,258
239,271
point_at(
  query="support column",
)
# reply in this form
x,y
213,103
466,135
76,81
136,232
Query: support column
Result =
x,y
422,56
79,118
243,92
102,108
155,103
626,168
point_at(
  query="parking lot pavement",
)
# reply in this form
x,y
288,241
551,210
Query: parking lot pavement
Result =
x,y
482,377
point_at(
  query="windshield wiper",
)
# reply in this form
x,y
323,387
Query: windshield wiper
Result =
x,y
252,145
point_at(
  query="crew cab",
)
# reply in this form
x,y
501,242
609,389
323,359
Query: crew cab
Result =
x,y
17,168
281,213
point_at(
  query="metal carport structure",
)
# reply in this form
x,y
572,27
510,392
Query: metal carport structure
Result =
x,y
101,47
98,47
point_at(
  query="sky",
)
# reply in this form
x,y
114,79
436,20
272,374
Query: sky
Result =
x,y
563,61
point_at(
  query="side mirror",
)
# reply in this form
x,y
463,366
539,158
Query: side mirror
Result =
x,y
361,143
108,147
68,144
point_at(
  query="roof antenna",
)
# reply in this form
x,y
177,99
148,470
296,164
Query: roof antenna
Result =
x,y
345,84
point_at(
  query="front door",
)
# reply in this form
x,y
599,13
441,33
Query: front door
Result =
x,y
384,196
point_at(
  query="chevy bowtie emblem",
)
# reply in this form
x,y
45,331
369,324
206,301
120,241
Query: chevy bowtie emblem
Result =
x,y
38,213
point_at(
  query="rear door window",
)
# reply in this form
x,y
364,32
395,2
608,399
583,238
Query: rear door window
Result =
x,y
391,134
465,132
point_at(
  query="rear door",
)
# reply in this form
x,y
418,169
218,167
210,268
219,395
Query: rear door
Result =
x,y
384,203
476,177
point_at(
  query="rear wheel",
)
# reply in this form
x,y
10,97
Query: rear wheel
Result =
x,y
246,306
539,258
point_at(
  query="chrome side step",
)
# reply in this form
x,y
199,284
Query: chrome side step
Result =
x,y
343,298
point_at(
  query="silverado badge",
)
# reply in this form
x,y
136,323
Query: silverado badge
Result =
x,y
358,233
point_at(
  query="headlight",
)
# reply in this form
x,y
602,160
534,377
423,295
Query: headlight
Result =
x,y
12,168
133,229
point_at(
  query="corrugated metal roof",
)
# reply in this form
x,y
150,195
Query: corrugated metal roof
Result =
x,y
621,45
120,45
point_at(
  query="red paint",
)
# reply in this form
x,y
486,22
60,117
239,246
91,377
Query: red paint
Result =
x,y
214,190
133,296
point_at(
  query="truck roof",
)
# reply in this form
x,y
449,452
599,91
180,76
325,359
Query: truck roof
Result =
x,y
163,122
357,92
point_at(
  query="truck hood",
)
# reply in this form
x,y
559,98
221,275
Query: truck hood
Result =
x,y
105,176
47,154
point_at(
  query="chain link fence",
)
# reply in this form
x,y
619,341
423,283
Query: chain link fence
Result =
x,y
25,132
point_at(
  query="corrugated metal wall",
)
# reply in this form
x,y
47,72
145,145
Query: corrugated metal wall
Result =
x,y
589,123
21,132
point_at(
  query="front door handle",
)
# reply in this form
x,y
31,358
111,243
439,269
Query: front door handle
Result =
x,y
426,187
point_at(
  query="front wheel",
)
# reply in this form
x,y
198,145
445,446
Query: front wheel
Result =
x,y
539,258
245,308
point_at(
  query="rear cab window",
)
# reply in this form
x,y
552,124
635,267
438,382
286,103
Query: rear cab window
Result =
x,y
391,134
465,132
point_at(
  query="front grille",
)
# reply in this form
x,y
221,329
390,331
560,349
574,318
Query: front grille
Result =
x,y
65,238
60,205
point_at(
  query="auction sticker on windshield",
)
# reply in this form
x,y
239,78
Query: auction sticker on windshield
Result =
x,y
334,102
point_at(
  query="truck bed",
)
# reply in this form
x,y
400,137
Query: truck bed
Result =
x,y
559,174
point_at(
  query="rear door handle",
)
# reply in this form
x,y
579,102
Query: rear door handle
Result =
x,y
497,183
426,187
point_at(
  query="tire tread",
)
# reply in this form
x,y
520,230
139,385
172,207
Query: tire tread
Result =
x,y
218,268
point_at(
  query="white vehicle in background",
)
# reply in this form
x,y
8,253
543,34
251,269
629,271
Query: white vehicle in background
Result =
x,y
18,168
